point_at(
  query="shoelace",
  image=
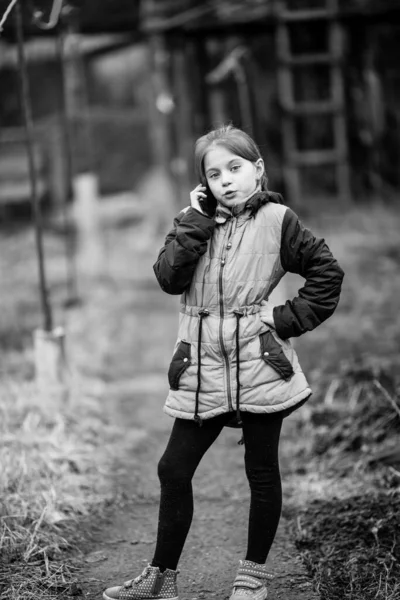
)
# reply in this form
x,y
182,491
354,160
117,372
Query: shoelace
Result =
x,y
137,579
140,577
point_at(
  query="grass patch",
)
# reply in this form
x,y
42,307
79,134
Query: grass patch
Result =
x,y
54,456
48,484
360,417
349,541
351,547
350,544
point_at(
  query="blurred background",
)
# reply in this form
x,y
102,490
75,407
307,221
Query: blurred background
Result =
x,y
142,80
100,104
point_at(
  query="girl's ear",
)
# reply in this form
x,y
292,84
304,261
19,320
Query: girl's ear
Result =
x,y
259,164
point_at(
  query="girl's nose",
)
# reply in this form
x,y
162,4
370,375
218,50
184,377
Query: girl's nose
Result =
x,y
225,178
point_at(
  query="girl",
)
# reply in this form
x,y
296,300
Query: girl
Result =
x,y
233,362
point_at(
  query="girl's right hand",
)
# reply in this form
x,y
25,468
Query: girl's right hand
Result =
x,y
197,194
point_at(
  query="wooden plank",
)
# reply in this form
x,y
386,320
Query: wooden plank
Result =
x,y
285,88
343,181
19,192
290,171
313,108
310,59
295,16
282,42
311,158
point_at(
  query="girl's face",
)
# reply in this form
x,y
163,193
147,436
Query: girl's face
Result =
x,y
230,177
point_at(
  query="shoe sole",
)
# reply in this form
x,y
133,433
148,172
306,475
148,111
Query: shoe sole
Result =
x,y
242,596
106,597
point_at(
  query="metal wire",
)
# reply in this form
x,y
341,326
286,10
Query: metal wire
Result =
x,y
53,19
6,14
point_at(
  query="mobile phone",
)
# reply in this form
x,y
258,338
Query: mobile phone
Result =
x,y
209,204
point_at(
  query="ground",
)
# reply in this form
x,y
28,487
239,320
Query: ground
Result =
x,y
134,395
78,482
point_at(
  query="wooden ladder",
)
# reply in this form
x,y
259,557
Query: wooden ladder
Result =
x,y
294,158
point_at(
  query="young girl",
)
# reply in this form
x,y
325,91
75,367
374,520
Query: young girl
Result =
x,y
233,362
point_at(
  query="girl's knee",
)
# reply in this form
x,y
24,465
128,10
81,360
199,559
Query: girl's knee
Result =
x,y
263,473
170,472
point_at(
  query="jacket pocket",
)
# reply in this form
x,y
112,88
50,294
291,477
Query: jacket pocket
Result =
x,y
179,363
272,354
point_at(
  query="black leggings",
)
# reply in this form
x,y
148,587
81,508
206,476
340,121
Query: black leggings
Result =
x,y
186,447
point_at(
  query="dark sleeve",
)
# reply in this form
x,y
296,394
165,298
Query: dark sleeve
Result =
x,y
183,246
310,257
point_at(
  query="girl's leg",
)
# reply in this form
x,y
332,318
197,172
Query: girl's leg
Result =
x,y
261,437
186,447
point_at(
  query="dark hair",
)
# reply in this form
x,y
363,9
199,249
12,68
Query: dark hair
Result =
x,y
233,139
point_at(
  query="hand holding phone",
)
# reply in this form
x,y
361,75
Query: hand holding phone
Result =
x,y
197,195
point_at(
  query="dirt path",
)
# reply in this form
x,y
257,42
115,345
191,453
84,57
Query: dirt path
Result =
x,y
144,328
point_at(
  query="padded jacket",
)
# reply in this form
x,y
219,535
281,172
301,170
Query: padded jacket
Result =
x,y
225,357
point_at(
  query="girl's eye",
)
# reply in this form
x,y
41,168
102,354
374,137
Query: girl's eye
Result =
x,y
235,167
212,176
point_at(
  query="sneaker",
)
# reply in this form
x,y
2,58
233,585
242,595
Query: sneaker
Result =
x,y
250,581
149,585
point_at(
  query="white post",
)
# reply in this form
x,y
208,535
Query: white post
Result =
x,y
51,368
90,247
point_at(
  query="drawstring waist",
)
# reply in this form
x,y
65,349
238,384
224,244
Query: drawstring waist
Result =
x,y
202,314
245,310
238,316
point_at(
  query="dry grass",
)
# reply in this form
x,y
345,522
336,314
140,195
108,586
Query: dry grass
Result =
x,y
351,547
53,457
348,535
48,483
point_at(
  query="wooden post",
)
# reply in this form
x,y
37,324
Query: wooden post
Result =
x,y
161,104
36,208
85,186
51,369
216,98
72,294
285,89
90,250
75,92
182,123
244,99
339,117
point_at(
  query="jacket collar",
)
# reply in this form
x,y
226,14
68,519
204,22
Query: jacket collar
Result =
x,y
253,204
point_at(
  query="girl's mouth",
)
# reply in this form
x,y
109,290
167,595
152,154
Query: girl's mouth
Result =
x,y
229,194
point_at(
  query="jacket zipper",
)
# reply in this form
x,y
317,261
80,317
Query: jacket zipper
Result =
x,y
221,322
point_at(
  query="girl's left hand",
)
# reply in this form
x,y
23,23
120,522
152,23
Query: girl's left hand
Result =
x,y
266,313
196,195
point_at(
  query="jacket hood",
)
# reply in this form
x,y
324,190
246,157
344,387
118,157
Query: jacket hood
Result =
x,y
261,198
